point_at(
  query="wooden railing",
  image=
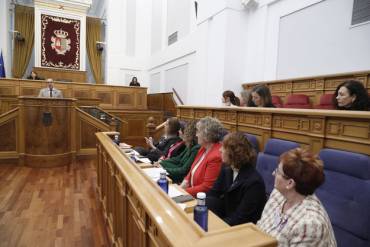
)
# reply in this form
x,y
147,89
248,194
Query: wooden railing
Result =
x,y
344,130
139,214
162,102
313,86
111,97
8,135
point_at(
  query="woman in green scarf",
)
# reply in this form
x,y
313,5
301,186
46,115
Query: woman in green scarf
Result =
x,y
179,166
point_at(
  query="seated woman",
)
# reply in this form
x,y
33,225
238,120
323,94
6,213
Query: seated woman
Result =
x,y
244,97
260,96
34,76
293,214
238,195
229,99
207,164
171,137
178,166
134,82
351,95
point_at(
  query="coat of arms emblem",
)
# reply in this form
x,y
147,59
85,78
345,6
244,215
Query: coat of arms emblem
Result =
x,y
60,43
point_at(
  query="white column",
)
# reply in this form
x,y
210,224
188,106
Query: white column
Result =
x,y
6,35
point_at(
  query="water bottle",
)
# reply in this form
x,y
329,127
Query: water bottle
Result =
x,y
116,139
163,182
201,211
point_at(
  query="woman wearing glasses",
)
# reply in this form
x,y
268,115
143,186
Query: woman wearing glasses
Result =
x,y
293,214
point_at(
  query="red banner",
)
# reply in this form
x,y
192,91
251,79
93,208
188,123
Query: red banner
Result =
x,y
60,42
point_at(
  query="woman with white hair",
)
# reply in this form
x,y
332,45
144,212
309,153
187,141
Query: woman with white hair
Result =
x,y
207,164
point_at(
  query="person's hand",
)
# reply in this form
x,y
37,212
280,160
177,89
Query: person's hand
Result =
x,y
184,184
157,164
149,142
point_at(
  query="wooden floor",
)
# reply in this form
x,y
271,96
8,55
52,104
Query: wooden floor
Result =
x,y
50,206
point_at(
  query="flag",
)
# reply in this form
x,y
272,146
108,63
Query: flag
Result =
x,y
2,66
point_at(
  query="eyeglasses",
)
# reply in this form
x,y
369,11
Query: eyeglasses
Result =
x,y
277,171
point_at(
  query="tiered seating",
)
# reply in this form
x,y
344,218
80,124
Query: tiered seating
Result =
x,y
276,101
297,101
253,140
326,102
346,196
268,160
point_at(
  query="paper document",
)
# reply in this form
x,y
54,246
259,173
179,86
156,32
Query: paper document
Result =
x,y
181,205
173,191
153,173
143,160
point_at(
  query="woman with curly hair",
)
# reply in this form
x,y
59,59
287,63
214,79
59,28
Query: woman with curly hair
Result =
x,y
207,164
351,95
178,166
293,214
238,195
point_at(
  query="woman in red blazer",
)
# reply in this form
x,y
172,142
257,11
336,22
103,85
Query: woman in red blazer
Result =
x,y
207,164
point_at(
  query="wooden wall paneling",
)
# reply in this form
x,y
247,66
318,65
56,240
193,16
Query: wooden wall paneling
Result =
x,y
155,101
8,133
317,129
106,95
135,130
86,127
313,86
125,99
9,88
81,91
7,103
141,100
136,221
121,210
61,74
112,97
31,88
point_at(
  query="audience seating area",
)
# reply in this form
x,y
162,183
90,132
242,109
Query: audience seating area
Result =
x,y
268,160
326,102
297,101
345,193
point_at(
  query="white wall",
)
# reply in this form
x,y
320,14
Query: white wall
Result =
x,y
322,45
228,45
120,60
5,36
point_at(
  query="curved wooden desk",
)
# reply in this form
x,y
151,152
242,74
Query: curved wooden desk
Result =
x,y
139,214
45,131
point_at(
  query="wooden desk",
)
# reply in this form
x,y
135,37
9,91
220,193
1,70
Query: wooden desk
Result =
x,y
214,223
46,127
316,129
139,214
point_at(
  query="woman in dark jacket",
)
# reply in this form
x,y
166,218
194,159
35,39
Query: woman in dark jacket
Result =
x,y
163,147
238,195
260,96
178,166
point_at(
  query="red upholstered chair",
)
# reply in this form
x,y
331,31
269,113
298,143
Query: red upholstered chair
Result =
x,y
297,101
276,101
326,102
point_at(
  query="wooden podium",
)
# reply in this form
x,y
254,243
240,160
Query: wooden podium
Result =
x,y
46,127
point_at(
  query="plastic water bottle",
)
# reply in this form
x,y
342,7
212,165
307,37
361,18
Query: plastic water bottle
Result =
x,y
116,139
201,211
163,182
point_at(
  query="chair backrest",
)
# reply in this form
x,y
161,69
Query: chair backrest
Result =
x,y
326,102
297,101
276,101
346,195
268,160
253,140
